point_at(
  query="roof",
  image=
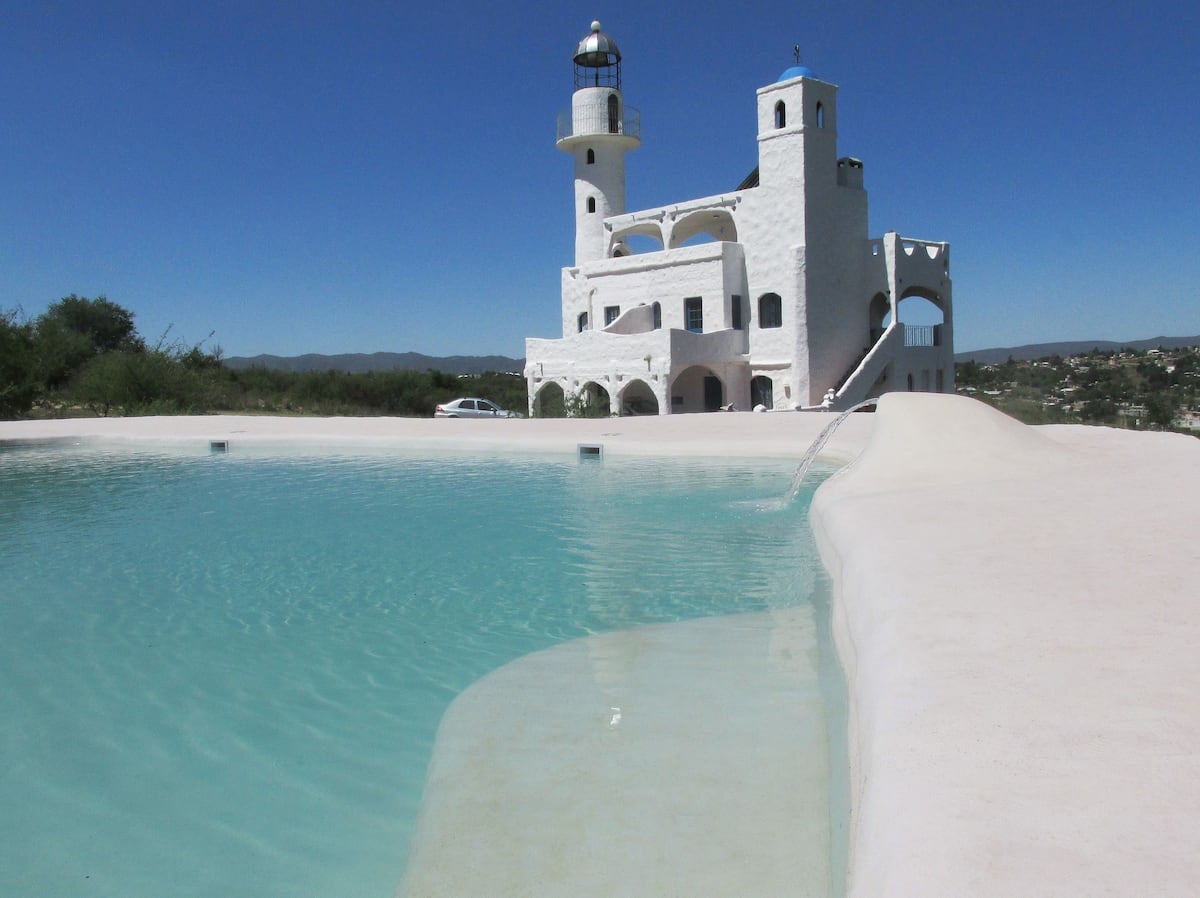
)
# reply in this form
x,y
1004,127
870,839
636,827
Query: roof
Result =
x,y
597,49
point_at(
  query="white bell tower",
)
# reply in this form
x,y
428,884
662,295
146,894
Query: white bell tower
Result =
x,y
598,133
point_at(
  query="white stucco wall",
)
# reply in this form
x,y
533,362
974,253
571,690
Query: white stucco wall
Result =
x,y
801,234
711,271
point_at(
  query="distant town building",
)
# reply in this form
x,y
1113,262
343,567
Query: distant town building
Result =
x,y
771,295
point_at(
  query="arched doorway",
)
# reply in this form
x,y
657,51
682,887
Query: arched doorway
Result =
x,y
696,389
762,392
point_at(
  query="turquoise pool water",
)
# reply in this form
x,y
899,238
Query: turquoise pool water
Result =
x,y
223,673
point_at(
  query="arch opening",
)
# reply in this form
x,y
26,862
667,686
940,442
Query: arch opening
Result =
x,y
638,399
640,238
696,389
591,402
879,314
922,315
550,401
762,392
707,226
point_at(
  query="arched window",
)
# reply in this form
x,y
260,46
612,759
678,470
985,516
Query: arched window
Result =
x,y
657,316
591,159
820,115
582,321
591,204
770,310
780,115
614,114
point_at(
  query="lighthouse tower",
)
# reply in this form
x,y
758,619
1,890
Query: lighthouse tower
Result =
x,y
598,133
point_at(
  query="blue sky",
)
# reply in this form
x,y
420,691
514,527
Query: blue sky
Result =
x,y
376,176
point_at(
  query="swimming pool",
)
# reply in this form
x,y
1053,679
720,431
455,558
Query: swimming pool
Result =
x,y
224,672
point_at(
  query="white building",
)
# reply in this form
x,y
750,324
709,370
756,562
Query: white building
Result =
x,y
787,299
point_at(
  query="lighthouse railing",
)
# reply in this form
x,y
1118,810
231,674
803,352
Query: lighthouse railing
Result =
x,y
598,123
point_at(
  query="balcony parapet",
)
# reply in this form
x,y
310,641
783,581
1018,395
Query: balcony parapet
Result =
x,y
596,123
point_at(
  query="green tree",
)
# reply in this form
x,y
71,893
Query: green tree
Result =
x,y
1099,409
18,383
76,329
107,326
1160,410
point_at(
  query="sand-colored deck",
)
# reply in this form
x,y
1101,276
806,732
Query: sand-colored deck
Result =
x,y
1016,610
1018,614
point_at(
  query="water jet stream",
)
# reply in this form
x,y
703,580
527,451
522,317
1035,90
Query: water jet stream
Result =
x,y
818,444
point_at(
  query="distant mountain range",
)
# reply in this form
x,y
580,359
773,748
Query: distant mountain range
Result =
x,y
359,362
1070,347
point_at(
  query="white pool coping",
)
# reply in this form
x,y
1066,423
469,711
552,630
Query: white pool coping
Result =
x,y
1017,612
777,435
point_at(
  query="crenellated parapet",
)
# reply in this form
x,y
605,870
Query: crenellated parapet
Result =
x,y
916,267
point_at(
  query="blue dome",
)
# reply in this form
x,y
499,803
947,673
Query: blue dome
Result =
x,y
797,71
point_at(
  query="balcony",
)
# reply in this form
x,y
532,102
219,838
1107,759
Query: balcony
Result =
x,y
598,123
923,335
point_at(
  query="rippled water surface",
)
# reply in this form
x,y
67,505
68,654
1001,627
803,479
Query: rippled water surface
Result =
x,y
222,673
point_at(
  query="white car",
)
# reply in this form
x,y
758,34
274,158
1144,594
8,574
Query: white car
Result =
x,y
472,408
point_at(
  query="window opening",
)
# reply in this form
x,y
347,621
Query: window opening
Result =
x,y
770,310
658,316
780,115
693,314
735,308
582,320
613,114
820,115
591,157
610,314
591,204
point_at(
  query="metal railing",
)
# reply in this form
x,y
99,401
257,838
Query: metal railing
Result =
x,y
598,123
922,335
